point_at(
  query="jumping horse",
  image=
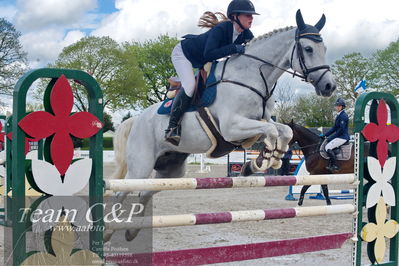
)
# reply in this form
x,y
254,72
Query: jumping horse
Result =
x,y
309,144
242,108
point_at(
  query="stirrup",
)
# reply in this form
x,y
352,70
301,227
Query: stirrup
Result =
x,y
172,135
332,168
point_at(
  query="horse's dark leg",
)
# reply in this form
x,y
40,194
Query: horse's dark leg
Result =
x,y
301,197
325,193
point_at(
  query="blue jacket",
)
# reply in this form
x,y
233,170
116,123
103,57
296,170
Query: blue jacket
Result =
x,y
214,44
340,127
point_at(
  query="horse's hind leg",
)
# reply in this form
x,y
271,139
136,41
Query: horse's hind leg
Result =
x,y
169,165
326,194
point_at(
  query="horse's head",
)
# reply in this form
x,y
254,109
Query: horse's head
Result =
x,y
295,134
308,56
302,135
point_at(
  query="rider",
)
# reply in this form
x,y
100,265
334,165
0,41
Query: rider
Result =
x,y
340,136
224,39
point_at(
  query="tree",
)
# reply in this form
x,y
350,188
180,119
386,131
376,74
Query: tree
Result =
x,y
349,71
118,75
285,102
154,61
314,111
387,67
13,62
108,125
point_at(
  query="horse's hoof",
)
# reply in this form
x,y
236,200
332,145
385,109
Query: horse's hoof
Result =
x,y
261,163
130,236
268,145
107,235
300,201
329,203
246,169
277,164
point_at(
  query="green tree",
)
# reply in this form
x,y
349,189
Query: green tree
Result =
x,y
13,61
108,125
154,61
118,75
314,111
387,67
349,71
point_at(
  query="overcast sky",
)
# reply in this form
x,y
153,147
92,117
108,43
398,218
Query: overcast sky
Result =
x,y
49,25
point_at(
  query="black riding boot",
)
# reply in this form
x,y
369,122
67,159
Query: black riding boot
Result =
x,y
180,105
332,166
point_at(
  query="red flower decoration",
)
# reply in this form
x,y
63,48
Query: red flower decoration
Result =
x,y
27,140
42,124
381,132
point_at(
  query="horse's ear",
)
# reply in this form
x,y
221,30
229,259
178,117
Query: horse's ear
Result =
x,y
299,20
319,25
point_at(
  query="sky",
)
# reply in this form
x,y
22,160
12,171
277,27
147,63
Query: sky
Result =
x,y
47,26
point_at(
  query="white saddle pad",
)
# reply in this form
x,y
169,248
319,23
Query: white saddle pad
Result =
x,y
344,154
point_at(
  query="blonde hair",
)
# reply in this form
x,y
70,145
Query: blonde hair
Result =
x,y
210,19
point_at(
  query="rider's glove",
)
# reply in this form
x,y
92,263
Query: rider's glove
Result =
x,y
240,49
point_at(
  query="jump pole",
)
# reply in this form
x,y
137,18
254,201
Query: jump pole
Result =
x,y
229,217
128,185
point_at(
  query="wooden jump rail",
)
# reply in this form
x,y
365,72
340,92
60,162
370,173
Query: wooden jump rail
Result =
x,y
229,217
127,185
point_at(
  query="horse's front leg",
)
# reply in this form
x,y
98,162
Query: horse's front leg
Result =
x,y
242,128
285,136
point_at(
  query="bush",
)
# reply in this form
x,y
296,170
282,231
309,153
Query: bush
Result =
x,y
107,143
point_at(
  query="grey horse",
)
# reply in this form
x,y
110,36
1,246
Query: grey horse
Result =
x,y
242,108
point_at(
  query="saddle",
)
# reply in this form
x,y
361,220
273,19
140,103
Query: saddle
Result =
x,y
204,94
200,83
342,153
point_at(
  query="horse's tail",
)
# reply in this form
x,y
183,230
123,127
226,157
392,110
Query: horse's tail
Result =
x,y
120,141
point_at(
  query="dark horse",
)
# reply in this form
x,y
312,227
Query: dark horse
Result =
x,y
309,143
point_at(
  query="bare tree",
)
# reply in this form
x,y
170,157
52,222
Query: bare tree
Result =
x,y
12,57
285,99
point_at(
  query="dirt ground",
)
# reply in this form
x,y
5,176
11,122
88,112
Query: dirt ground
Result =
x,y
189,201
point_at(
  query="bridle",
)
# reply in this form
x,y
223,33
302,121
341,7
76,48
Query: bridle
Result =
x,y
301,58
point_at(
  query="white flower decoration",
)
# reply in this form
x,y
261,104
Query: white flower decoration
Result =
x,y
381,178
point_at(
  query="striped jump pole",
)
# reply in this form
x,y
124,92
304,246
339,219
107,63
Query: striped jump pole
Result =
x,y
229,217
126,185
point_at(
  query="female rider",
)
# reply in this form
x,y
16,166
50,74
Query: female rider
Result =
x,y
223,39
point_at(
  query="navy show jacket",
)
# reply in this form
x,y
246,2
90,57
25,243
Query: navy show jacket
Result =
x,y
214,44
340,127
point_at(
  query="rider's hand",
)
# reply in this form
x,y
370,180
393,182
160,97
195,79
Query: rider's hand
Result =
x,y
240,49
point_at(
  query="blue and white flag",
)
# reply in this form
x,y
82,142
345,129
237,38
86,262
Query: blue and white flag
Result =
x,y
361,87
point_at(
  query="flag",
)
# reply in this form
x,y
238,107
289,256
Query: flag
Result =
x,y
361,87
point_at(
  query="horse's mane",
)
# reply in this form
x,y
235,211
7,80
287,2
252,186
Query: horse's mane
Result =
x,y
306,132
270,34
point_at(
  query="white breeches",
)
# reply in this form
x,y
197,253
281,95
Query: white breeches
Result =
x,y
335,143
184,70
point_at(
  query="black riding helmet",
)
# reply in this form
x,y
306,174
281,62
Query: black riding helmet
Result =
x,y
240,7
340,102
